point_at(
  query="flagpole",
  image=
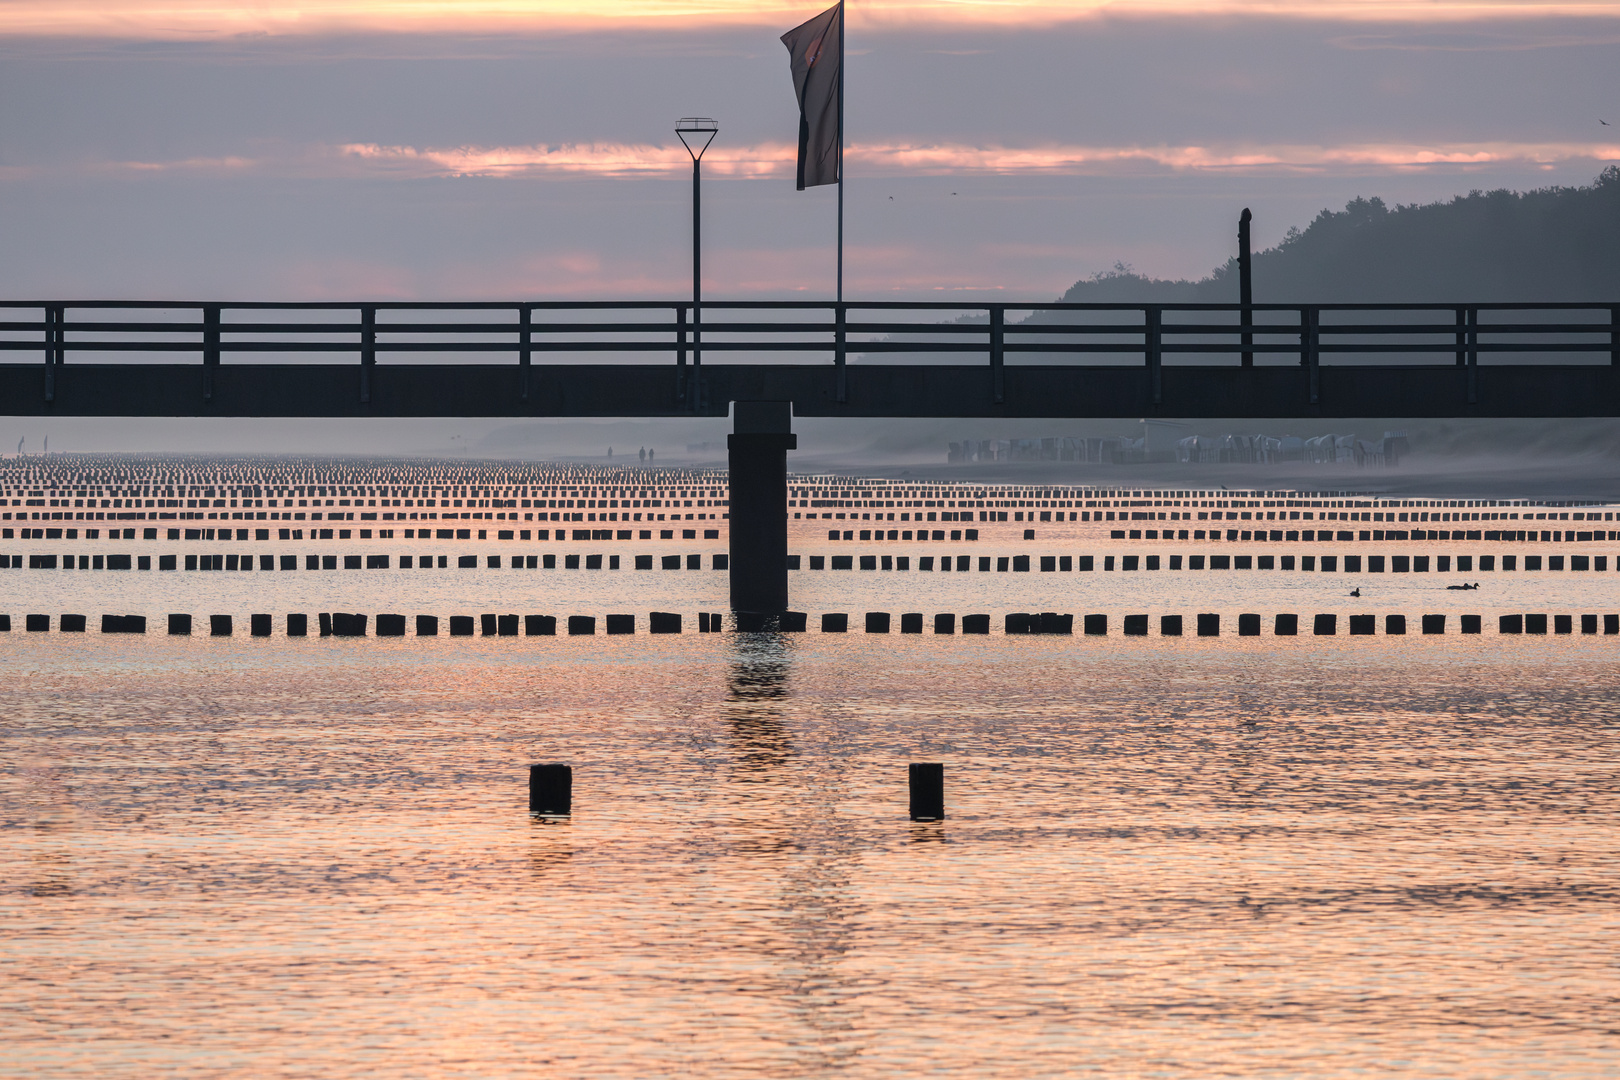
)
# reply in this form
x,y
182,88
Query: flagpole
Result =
x,y
843,28
842,315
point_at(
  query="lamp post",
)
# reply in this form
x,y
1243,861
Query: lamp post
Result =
x,y
696,133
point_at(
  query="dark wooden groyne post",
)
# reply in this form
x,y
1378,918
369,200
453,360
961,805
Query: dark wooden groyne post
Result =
x,y
551,789
1246,286
927,791
762,435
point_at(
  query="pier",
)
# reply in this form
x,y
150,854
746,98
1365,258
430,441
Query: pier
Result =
x,y
879,359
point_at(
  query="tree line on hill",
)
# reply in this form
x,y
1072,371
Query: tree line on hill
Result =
x,y
1552,244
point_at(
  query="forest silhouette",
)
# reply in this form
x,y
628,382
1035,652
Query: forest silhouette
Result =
x,y
1552,244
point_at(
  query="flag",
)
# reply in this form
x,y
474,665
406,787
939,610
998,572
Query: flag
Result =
x,y
817,53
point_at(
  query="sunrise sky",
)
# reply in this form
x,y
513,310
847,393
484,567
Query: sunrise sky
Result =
x,y
495,148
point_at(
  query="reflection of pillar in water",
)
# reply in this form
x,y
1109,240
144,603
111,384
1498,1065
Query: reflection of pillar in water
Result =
x,y
757,682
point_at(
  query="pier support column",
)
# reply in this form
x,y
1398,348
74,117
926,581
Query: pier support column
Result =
x,y
762,436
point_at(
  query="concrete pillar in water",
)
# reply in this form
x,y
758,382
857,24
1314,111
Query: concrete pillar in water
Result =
x,y
762,436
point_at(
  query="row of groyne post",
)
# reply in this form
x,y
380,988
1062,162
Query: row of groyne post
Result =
x,y
1207,624
551,790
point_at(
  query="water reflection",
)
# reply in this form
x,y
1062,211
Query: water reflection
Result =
x,y
808,873
819,910
552,851
52,875
1180,857
756,708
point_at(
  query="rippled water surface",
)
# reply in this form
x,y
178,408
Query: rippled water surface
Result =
x,y
1308,857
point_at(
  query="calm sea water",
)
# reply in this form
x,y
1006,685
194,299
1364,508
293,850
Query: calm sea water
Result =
x,y
1307,857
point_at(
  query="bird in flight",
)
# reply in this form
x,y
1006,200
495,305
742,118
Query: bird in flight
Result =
x,y
1605,123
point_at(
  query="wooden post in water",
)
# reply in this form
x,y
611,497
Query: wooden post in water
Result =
x,y
551,789
927,791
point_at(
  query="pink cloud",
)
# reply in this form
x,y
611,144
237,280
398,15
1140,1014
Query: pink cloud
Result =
x,y
213,19
869,160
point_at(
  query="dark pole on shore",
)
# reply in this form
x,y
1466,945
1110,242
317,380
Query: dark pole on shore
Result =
x,y
702,131
1246,286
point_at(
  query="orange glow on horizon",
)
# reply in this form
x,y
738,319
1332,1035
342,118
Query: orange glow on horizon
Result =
x,y
215,19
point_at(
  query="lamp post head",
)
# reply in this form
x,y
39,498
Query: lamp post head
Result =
x,y
696,133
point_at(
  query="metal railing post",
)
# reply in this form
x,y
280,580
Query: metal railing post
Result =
x,y
1246,286
210,348
694,385
840,348
1310,349
1473,355
1154,348
524,321
55,348
1462,337
680,354
368,351
1614,335
998,353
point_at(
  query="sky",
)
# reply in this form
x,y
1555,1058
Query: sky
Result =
x,y
495,149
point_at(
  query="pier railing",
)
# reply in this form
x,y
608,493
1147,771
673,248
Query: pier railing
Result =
x,y
533,350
